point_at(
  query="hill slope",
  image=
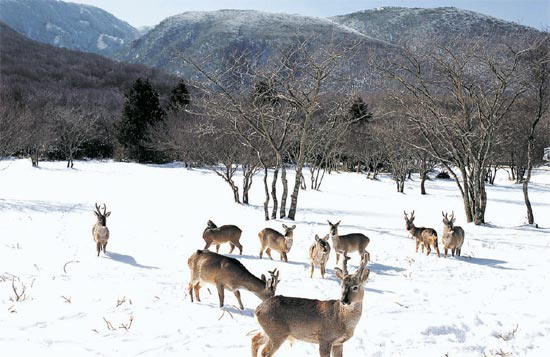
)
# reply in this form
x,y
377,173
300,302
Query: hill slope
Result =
x,y
419,25
74,26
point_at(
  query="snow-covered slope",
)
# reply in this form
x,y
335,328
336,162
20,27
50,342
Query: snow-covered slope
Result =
x,y
63,24
421,25
414,305
214,38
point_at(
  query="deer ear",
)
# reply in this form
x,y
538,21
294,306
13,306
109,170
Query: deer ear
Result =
x,y
338,223
339,273
326,237
293,227
329,222
108,214
285,226
263,278
316,237
364,274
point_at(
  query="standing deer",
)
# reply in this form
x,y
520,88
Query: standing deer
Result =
x,y
328,323
100,232
453,236
271,239
424,236
319,253
348,243
227,273
219,235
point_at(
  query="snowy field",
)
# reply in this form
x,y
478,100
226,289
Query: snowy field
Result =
x,y
493,300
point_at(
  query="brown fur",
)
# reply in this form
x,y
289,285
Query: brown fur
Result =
x,y
100,232
424,236
224,234
348,243
270,239
453,236
227,273
328,323
319,252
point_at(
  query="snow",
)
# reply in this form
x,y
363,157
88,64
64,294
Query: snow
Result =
x,y
415,305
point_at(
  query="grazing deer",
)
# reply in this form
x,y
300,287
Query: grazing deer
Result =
x,y
328,323
219,235
348,243
271,239
227,273
424,236
319,253
100,232
453,236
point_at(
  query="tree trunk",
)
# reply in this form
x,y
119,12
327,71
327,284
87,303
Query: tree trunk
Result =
x,y
530,149
266,202
423,177
274,193
284,197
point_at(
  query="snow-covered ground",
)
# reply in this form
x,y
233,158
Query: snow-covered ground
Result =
x,y
492,300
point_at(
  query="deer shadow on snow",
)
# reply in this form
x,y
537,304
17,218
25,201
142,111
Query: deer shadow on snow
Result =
x,y
126,259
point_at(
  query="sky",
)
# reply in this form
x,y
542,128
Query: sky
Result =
x,y
534,13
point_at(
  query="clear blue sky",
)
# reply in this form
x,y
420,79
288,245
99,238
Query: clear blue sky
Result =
x,y
534,13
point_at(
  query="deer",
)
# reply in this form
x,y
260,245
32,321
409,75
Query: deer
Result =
x,y
453,236
319,253
219,235
348,243
100,232
328,323
207,267
424,236
270,239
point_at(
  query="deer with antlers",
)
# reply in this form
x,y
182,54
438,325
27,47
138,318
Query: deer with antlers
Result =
x,y
227,273
424,236
100,232
453,236
328,323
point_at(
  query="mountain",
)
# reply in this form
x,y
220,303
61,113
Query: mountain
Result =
x,y
400,25
69,25
218,36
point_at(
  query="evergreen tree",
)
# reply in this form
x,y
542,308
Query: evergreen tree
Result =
x,y
141,110
359,110
179,97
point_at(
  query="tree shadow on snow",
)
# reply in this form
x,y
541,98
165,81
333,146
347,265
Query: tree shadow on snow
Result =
x,y
127,259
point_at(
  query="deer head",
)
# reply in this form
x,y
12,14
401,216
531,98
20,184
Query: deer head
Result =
x,y
449,222
210,225
353,285
333,228
271,283
409,221
322,243
102,216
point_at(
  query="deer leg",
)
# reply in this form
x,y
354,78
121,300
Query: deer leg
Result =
x,y
323,270
208,244
98,247
458,251
285,258
217,248
338,351
105,247
191,291
311,269
272,346
428,249
446,249
423,247
238,296
337,257
436,247
197,288
324,349
417,244
257,341
238,244
220,293
268,252
232,247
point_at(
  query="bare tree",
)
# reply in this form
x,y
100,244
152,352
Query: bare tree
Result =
x,y
457,95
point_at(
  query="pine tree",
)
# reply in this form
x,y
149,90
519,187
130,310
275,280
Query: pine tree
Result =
x,y
141,110
179,97
359,110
